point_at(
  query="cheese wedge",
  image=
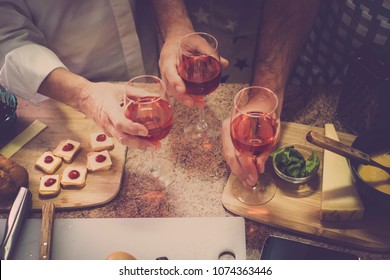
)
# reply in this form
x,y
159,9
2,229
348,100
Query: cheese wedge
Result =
x,y
340,199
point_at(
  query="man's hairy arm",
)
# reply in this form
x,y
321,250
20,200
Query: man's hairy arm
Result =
x,y
284,28
172,18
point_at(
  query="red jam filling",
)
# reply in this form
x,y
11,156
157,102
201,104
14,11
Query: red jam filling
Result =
x,y
49,182
101,137
100,158
48,159
68,147
74,174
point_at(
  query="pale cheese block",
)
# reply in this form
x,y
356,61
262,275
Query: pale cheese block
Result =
x,y
340,199
67,154
48,162
100,142
97,161
77,182
49,185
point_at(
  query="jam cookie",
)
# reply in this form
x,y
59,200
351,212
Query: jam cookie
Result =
x,y
67,150
49,185
74,177
98,161
100,142
48,162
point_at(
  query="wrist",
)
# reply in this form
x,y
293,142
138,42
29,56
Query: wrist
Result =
x,y
85,95
64,86
274,83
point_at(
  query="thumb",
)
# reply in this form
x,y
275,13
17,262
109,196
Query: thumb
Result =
x,y
224,62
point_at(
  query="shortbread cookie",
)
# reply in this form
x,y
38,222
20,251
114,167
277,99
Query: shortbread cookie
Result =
x,y
74,177
67,150
100,142
48,162
98,161
49,185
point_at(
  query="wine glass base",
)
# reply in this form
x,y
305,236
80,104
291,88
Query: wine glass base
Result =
x,y
261,193
162,170
210,129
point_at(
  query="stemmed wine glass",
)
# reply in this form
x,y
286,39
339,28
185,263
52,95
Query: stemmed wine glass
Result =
x,y
254,129
200,69
152,110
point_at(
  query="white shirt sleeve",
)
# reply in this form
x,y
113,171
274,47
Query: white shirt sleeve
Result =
x,y
24,61
26,67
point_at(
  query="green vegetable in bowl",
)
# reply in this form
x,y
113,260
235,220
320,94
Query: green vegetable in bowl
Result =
x,y
291,162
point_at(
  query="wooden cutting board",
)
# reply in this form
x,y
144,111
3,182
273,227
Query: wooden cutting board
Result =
x,y
63,122
297,207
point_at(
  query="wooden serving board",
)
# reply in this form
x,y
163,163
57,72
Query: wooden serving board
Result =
x,y
297,207
63,122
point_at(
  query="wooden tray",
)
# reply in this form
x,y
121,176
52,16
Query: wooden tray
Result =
x,y
63,122
297,208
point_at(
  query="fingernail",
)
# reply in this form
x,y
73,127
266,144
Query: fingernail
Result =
x,y
247,185
188,103
251,179
142,133
179,89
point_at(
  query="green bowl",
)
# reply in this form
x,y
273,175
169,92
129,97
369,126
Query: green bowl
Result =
x,y
8,105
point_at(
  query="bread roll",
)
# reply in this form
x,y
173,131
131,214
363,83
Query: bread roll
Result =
x,y
12,178
120,256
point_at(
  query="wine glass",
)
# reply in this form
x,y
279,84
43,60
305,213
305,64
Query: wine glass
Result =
x,y
200,69
151,110
254,129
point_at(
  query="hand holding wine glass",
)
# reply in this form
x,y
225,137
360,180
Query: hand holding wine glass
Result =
x,y
150,107
200,69
254,130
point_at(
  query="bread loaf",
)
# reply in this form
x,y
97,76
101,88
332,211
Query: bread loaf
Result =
x,y
12,178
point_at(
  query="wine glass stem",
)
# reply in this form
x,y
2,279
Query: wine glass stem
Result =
x,y
201,124
154,168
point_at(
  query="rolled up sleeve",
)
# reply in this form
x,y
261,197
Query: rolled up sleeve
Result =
x,y
25,61
26,67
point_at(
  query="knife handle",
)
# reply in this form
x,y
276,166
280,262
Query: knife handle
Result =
x,y
48,210
17,215
337,147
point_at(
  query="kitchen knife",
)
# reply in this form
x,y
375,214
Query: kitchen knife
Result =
x,y
22,139
19,210
48,210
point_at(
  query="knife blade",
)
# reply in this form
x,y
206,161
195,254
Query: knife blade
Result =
x,y
19,210
22,139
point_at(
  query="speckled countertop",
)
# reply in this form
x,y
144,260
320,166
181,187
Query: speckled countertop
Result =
x,y
195,172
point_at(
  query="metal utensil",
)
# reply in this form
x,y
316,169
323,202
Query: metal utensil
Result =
x,y
342,149
20,208
22,139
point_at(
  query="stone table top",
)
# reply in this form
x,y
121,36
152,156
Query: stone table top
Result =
x,y
195,172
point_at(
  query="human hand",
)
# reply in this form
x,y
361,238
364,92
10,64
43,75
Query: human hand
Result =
x,y
169,63
102,103
244,167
